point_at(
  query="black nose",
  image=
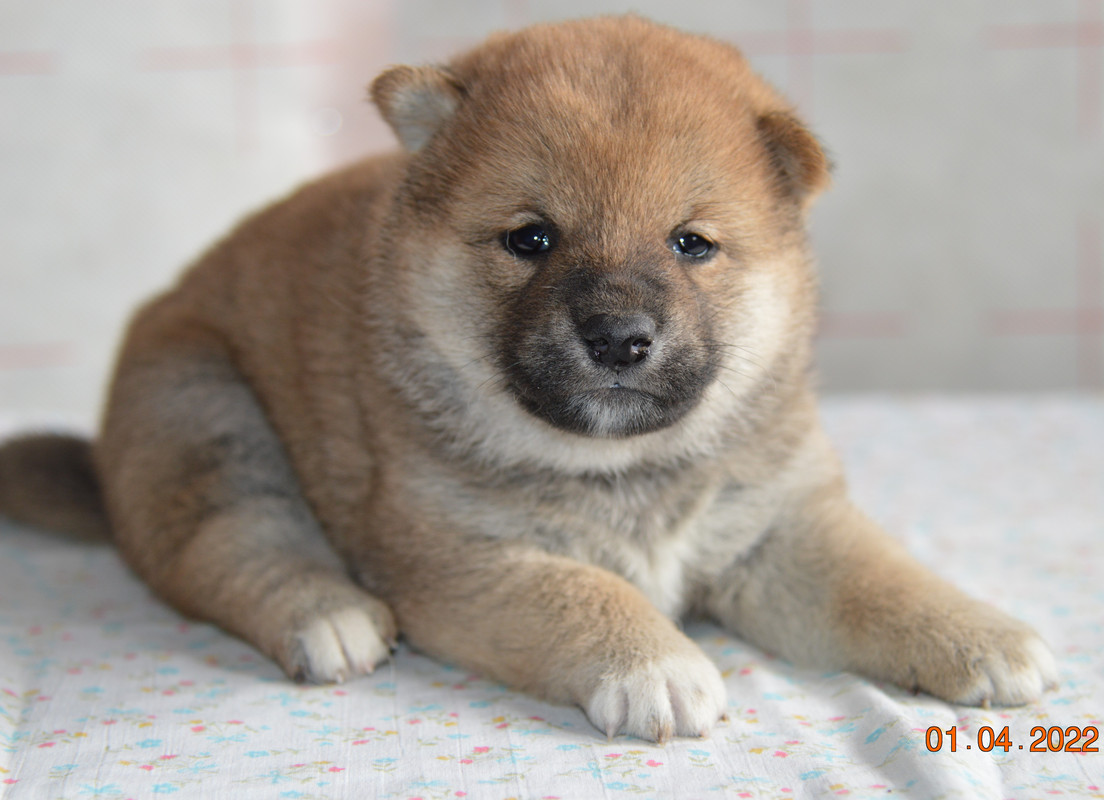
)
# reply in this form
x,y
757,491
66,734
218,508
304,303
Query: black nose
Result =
x,y
619,342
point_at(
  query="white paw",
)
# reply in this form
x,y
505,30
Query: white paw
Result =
x,y
1012,675
677,695
338,645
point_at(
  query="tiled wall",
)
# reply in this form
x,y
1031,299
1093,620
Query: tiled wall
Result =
x,y
961,246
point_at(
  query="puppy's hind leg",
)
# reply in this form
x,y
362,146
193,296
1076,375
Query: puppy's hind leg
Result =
x,y
206,508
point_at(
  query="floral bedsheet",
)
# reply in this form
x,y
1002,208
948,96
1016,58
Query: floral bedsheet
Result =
x,y
105,692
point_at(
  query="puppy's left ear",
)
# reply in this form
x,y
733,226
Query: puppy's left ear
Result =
x,y
802,167
415,102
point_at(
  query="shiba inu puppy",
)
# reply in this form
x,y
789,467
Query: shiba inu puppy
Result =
x,y
528,391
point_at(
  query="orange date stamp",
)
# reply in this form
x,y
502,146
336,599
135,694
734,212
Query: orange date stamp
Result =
x,y
1074,739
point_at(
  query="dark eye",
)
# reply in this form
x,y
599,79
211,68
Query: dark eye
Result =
x,y
691,245
528,240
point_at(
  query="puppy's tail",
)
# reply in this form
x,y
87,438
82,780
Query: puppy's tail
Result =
x,y
50,481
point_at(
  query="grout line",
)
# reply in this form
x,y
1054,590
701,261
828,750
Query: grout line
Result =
x,y
861,325
37,355
15,63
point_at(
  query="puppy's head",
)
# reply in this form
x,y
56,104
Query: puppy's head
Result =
x,y
602,222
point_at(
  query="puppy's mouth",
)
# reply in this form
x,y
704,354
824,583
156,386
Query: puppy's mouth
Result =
x,y
611,412
581,399
604,359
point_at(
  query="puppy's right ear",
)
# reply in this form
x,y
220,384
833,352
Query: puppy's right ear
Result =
x,y
416,102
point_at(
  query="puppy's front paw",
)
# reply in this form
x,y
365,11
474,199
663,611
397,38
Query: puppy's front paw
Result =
x,y
334,646
972,654
681,694
1005,666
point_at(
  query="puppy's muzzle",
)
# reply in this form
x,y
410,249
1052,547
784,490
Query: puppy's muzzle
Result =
x,y
618,342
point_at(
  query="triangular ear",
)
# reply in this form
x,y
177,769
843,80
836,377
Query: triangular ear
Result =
x,y
797,156
415,102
